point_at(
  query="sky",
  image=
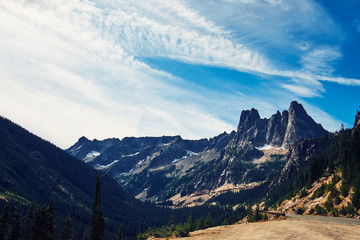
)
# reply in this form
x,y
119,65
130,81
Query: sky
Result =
x,y
112,68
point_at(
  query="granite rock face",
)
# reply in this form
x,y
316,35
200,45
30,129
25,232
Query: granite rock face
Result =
x,y
280,130
300,126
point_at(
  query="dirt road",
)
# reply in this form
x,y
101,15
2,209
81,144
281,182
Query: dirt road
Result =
x,y
292,228
340,220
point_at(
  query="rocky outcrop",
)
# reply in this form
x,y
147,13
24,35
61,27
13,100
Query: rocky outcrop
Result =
x,y
252,128
280,130
357,120
221,141
300,126
297,158
276,128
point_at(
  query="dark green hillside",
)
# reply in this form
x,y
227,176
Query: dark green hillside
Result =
x,y
33,170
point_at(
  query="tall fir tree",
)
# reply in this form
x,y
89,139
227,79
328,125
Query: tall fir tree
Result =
x,y
190,222
43,228
97,219
172,223
39,222
15,228
4,221
121,234
50,221
200,223
29,223
208,222
67,230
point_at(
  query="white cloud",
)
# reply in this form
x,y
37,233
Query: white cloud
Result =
x,y
321,60
63,78
301,91
72,68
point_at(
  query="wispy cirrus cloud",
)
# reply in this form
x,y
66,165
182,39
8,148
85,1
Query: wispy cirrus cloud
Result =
x,y
84,58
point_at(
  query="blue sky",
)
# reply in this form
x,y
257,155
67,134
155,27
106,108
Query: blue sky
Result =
x,y
169,67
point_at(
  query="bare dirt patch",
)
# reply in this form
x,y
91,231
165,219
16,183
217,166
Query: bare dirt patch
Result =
x,y
287,229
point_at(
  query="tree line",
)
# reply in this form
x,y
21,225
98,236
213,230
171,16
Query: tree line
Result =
x,y
39,222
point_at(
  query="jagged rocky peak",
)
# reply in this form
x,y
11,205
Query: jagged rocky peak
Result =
x,y
83,139
276,128
280,130
357,120
300,125
248,119
251,127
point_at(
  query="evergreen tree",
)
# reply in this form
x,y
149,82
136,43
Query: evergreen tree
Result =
x,y
43,228
50,226
190,222
355,198
4,221
67,229
257,213
97,219
39,222
200,223
14,233
208,221
120,234
250,214
29,223
172,223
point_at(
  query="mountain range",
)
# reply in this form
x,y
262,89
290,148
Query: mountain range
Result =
x,y
264,160
189,172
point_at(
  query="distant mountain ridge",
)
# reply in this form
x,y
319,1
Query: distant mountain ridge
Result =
x,y
160,168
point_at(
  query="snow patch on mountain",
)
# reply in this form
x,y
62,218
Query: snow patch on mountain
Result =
x,y
91,154
108,165
188,154
268,147
131,155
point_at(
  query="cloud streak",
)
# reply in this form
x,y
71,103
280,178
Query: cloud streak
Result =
x,y
79,62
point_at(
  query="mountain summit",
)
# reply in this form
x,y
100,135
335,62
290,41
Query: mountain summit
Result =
x,y
280,130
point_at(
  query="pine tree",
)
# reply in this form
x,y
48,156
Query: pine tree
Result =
x,y
50,227
200,223
257,213
250,214
39,222
4,221
67,229
190,222
97,219
14,233
29,223
43,228
208,221
120,234
172,223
